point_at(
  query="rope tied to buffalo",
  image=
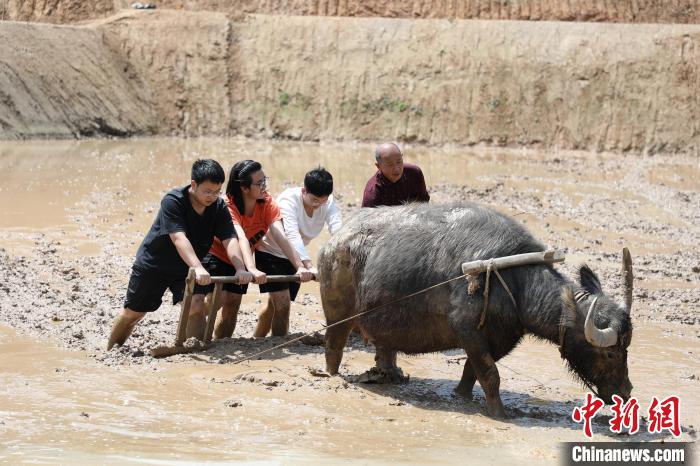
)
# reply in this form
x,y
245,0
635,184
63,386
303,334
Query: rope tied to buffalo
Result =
x,y
354,316
473,286
472,290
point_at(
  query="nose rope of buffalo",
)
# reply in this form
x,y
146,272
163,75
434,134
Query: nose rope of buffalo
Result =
x,y
325,327
491,266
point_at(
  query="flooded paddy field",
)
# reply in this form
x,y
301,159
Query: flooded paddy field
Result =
x,y
73,214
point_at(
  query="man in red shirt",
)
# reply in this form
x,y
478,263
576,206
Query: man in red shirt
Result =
x,y
395,182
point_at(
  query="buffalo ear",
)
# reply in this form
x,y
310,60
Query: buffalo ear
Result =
x,y
589,280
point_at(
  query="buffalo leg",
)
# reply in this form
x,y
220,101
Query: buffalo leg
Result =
x,y
485,369
466,384
385,370
385,359
336,338
490,381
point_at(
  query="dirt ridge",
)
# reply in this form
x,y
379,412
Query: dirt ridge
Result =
x,y
582,86
621,11
62,82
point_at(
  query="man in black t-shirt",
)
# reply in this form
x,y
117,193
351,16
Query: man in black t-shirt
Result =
x,y
182,233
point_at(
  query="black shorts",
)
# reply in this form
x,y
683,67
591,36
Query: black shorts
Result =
x,y
146,288
268,263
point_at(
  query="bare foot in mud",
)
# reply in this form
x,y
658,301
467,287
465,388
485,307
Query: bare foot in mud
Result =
x,y
383,376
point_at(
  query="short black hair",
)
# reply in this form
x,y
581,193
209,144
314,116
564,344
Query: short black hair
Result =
x,y
207,170
319,182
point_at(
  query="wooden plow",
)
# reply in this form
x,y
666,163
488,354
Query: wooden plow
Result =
x,y
178,346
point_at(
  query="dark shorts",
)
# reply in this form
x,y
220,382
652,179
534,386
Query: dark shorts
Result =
x,y
268,263
146,288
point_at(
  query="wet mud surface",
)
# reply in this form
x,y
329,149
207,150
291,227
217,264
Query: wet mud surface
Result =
x,y
74,214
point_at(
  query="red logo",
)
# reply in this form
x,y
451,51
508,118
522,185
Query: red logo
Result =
x,y
626,415
665,415
587,412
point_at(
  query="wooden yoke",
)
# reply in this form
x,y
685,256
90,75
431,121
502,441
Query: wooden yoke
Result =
x,y
545,257
472,270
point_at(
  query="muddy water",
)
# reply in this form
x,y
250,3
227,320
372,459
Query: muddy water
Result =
x,y
62,405
87,204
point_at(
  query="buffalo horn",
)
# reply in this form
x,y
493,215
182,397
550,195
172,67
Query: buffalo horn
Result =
x,y
595,336
627,278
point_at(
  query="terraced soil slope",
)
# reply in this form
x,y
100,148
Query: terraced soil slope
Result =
x,y
64,82
591,86
618,11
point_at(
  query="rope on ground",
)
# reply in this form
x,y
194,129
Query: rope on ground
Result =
x,y
472,288
326,327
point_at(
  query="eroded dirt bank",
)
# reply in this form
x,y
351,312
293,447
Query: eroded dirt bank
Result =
x,y
64,82
565,85
622,11
64,274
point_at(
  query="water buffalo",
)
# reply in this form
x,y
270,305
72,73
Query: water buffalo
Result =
x,y
386,253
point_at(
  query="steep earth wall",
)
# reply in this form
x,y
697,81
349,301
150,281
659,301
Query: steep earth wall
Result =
x,y
632,11
64,82
56,11
184,59
587,86
575,86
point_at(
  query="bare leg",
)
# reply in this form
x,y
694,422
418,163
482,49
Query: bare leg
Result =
x,y
336,337
466,385
196,321
122,327
265,317
229,315
280,320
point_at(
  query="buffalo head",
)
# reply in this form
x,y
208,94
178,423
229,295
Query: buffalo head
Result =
x,y
596,332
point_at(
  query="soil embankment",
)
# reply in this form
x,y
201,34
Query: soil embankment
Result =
x,y
577,86
573,86
185,62
622,11
64,82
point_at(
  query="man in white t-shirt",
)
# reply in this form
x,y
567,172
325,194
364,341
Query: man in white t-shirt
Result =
x,y
305,211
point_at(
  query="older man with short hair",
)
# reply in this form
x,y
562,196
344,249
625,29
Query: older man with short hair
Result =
x,y
395,182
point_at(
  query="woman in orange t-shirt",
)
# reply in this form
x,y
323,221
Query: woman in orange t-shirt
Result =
x,y
254,213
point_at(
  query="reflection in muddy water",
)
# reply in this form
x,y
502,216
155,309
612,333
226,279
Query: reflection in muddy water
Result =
x,y
73,214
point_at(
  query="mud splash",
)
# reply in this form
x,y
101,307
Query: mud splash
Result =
x,y
74,213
